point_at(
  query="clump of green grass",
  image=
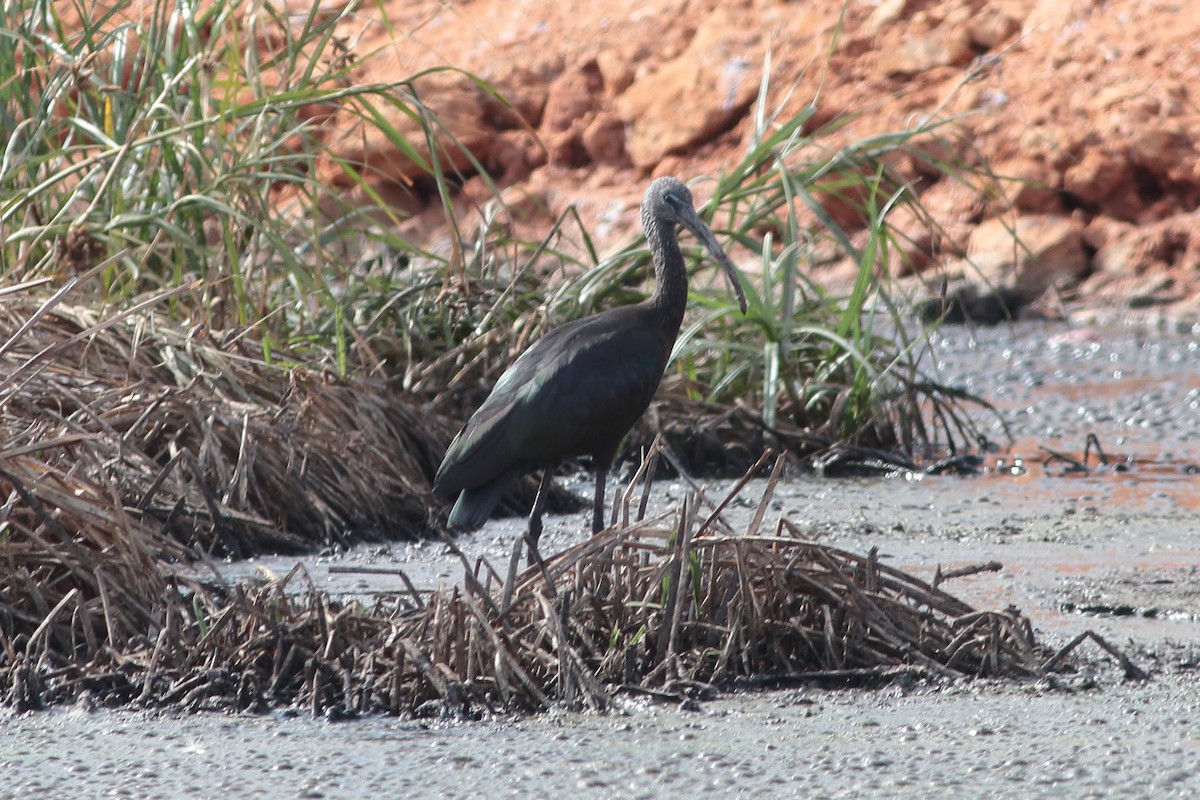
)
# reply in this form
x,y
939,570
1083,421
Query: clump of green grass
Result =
x,y
165,146
847,367
160,149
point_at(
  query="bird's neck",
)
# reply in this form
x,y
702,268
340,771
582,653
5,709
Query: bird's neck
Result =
x,y
670,275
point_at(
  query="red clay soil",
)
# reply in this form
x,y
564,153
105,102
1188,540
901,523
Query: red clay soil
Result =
x,y
1089,104
1092,103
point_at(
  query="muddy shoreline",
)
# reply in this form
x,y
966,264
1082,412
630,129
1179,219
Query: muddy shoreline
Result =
x,y
1117,552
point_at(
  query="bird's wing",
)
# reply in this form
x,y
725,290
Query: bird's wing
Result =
x,y
579,388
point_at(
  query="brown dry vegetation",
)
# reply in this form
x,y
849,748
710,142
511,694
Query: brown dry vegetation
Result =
x,y
195,437
132,452
656,606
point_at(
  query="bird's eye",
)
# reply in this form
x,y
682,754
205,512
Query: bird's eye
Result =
x,y
672,198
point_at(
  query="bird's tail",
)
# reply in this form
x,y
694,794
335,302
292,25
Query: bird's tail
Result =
x,y
475,505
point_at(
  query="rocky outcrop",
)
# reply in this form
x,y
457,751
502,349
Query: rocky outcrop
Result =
x,y
1085,112
697,95
1029,254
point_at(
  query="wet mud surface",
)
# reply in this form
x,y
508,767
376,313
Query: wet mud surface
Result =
x,y
1113,551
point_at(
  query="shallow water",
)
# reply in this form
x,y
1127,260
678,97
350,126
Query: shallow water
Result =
x,y
1114,552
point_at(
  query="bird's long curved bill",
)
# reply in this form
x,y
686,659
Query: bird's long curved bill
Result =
x,y
696,225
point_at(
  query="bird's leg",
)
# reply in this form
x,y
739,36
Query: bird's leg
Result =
x,y
598,503
534,531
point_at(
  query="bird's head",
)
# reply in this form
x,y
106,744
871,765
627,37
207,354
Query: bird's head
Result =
x,y
669,200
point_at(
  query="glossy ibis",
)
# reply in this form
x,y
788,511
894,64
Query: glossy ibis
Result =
x,y
581,387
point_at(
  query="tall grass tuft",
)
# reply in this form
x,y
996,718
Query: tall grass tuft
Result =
x,y
848,367
835,368
185,143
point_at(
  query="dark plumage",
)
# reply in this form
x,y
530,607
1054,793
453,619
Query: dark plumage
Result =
x,y
581,387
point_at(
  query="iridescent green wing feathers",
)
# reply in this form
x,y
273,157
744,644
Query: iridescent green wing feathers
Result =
x,y
576,391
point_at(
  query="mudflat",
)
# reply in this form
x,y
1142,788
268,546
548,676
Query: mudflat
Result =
x,y
1115,550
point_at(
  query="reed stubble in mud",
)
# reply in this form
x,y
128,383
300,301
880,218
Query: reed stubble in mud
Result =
x,y
673,605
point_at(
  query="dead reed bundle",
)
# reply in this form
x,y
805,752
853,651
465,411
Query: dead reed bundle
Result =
x,y
79,575
231,456
643,608
124,444
648,608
